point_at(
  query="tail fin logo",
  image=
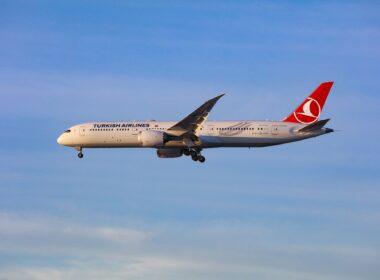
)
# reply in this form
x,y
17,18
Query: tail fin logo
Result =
x,y
309,111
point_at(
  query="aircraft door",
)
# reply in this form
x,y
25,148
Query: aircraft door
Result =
x,y
211,130
82,130
274,129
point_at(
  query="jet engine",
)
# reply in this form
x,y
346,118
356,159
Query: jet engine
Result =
x,y
169,153
152,138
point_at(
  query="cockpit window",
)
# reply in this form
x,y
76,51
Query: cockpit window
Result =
x,y
68,131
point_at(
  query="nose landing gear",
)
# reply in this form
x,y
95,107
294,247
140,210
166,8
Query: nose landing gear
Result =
x,y
195,155
79,149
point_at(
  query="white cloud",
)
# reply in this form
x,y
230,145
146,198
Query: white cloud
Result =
x,y
120,235
220,250
28,234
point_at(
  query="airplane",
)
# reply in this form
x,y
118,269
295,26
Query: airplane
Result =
x,y
194,133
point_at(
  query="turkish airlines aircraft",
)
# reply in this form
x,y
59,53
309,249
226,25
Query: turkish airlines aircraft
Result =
x,y
194,133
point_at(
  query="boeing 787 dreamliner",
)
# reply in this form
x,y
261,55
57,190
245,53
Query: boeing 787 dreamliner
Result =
x,y
194,133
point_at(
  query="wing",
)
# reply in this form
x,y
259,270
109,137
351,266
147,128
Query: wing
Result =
x,y
193,122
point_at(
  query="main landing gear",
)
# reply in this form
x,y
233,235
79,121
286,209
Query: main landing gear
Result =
x,y
195,154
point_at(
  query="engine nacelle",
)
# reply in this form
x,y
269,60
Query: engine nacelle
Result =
x,y
152,138
169,153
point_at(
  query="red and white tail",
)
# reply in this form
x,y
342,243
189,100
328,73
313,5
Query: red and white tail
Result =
x,y
309,110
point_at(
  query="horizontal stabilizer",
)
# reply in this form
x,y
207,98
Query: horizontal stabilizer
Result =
x,y
314,126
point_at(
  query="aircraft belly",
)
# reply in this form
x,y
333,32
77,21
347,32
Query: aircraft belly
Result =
x,y
225,141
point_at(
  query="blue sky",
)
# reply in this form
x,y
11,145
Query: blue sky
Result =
x,y
308,210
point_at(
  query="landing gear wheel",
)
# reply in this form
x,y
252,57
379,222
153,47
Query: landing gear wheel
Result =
x,y
193,153
201,158
80,154
186,152
194,157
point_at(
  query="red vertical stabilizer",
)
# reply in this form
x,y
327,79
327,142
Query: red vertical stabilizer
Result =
x,y
310,109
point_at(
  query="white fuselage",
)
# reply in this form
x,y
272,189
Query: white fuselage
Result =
x,y
193,133
212,134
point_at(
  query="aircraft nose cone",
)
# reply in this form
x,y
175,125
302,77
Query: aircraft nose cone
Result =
x,y
60,140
